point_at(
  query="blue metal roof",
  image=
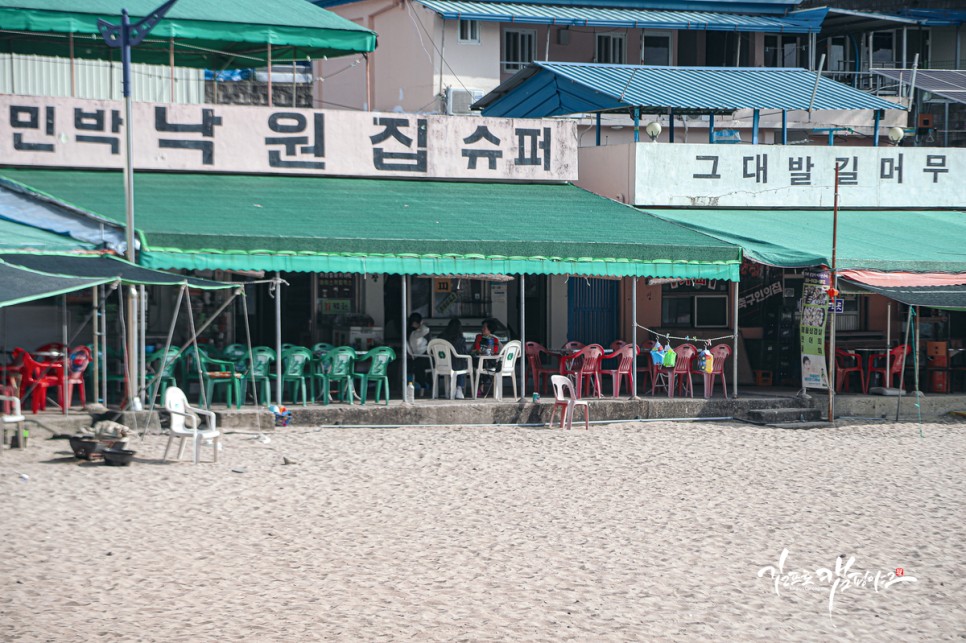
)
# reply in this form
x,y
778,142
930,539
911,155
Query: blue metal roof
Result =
x,y
779,7
542,14
557,89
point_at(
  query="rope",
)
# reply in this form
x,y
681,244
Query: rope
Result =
x,y
686,338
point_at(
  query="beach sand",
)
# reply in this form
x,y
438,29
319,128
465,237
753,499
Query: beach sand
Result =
x,y
657,531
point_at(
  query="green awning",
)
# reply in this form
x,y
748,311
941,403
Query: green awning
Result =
x,y
312,224
941,297
106,267
885,240
17,237
19,285
206,33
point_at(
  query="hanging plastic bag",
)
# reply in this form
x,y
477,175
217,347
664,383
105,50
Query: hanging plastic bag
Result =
x,y
670,358
708,363
657,354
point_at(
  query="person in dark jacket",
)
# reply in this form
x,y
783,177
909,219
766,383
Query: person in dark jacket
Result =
x,y
454,335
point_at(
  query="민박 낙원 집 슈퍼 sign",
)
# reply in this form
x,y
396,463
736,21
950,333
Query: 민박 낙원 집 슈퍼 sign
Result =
x,y
78,133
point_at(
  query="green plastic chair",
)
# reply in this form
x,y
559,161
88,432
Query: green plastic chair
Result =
x,y
337,368
161,369
294,363
379,359
214,373
237,353
320,349
115,372
261,372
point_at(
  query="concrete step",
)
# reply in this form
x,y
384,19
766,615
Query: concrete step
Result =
x,y
784,415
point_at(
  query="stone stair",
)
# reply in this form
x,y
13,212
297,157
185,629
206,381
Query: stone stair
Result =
x,y
792,418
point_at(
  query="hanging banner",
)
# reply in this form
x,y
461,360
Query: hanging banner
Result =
x,y
814,315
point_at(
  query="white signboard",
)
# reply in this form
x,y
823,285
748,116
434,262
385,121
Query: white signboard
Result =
x,y
66,132
798,176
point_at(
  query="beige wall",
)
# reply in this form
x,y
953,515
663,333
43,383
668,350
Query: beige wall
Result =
x,y
477,65
608,170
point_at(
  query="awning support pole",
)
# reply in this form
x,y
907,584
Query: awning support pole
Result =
x,y
66,359
523,341
73,68
598,129
637,124
711,128
143,353
903,373
784,127
153,393
755,119
734,343
877,115
404,348
634,335
278,337
95,323
830,359
670,127
103,328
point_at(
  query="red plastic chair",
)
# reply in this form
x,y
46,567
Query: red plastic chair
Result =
x,y
585,368
538,371
847,363
679,377
36,378
617,344
897,362
719,353
646,368
624,370
80,358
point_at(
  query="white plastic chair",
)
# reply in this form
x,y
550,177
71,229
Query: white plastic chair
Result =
x,y
565,396
184,424
16,418
506,367
441,354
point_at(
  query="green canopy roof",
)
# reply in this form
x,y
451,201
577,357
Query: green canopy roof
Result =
x,y
20,285
17,237
209,221
201,29
885,240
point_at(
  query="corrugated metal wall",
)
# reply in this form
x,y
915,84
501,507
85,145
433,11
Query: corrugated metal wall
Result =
x,y
48,76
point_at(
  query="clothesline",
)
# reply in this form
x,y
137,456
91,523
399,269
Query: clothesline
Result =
x,y
686,338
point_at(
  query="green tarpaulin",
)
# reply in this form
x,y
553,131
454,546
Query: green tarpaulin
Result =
x,y
884,240
19,285
17,237
942,297
104,267
207,33
209,221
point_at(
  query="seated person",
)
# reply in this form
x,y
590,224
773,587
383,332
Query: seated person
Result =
x,y
486,342
418,342
454,335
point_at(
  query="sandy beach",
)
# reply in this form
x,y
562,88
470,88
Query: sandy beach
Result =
x,y
658,531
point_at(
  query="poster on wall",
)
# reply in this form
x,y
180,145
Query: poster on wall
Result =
x,y
814,316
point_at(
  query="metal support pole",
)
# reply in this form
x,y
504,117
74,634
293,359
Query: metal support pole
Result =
x,y
830,359
946,124
65,371
143,353
278,338
73,68
670,125
95,329
637,124
171,69
269,57
103,354
598,129
877,115
523,340
903,373
755,119
711,128
784,127
734,343
634,335
404,349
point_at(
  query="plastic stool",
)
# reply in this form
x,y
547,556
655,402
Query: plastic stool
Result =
x,y
763,378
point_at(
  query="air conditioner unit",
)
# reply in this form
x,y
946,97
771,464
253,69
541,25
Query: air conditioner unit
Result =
x,y
458,100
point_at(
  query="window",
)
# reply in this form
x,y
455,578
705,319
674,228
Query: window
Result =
x,y
518,48
610,48
469,32
781,51
695,306
656,50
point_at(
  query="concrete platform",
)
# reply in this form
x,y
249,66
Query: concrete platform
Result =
x,y
508,412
